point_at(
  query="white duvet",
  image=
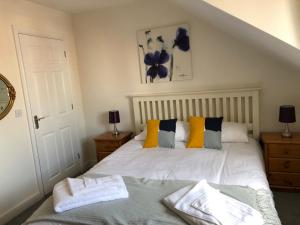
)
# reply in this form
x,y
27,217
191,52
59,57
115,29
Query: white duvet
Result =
x,y
236,164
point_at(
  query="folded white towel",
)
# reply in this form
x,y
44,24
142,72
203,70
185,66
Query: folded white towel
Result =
x,y
75,185
203,204
87,191
85,184
172,199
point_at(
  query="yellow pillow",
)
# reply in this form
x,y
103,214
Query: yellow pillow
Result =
x,y
196,138
152,134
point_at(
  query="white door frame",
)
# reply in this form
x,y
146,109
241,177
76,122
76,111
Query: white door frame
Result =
x,y
33,32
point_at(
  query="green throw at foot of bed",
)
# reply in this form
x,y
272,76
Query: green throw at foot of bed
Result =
x,y
144,205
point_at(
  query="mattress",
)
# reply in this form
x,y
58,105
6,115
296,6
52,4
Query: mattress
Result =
x,y
236,164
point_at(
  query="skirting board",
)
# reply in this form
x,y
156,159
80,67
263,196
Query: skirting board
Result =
x,y
20,207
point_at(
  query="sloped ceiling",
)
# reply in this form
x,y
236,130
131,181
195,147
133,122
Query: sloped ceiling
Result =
x,y
242,30
280,18
227,16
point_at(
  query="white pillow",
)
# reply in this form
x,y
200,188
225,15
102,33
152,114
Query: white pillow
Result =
x,y
141,136
182,132
234,132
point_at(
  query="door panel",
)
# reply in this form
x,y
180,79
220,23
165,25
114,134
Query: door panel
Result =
x,y
41,87
50,98
67,147
61,96
52,157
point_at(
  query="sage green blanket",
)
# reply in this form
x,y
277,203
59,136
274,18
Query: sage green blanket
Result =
x,y
144,205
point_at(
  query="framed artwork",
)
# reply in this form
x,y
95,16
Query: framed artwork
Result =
x,y
165,54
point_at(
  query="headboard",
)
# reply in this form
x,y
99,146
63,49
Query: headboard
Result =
x,y
236,105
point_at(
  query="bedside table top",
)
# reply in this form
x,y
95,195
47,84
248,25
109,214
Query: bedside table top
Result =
x,y
275,137
108,136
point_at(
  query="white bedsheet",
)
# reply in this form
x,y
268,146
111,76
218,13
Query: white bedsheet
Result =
x,y
236,164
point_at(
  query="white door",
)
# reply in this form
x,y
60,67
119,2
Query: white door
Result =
x,y
49,90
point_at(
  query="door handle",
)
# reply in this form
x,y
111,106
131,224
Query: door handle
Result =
x,y
36,121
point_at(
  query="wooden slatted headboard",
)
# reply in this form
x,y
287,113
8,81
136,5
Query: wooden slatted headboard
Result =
x,y
237,105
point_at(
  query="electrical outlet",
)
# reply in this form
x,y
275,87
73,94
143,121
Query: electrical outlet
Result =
x,y
18,113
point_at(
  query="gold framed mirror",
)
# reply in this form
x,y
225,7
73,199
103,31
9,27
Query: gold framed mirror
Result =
x,y
7,96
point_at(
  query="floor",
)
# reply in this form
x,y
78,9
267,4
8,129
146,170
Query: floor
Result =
x,y
287,205
26,214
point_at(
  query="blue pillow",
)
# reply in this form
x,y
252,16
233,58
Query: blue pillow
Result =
x,y
166,134
212,135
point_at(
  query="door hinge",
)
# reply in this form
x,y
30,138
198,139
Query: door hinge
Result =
x,y
65,53
72,106
78,155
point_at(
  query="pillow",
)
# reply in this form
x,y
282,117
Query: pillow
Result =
x,y
234,132
181,134
160,133
141,136
182,131
212,135
151,140
196,137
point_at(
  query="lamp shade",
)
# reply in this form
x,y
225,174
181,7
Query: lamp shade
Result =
x,y
287,114
114,116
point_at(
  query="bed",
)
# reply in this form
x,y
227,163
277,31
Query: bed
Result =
x,y
237,164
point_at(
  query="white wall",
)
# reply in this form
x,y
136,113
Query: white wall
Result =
x,y
109,64
280,18
18,178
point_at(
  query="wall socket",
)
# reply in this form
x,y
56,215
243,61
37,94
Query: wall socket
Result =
x,y
18,113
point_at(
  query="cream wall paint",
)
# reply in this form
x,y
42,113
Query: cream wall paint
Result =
x,y
18,178
109,64
280,18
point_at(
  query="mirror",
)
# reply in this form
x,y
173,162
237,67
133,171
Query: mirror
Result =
x,y
7,96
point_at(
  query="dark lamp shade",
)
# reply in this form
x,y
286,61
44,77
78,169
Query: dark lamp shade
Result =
x,y
114,116
287,114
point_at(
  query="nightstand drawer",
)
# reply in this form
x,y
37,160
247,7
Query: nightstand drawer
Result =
x,y
284,179
107,143
284,165
107,146
284,150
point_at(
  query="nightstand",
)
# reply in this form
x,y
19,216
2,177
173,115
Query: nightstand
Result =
x,y
107,143
282,160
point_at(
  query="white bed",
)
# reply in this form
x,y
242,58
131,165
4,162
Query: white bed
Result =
x,y
236,164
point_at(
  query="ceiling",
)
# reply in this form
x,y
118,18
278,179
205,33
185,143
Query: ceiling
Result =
x,y
204,11
241,30
80,6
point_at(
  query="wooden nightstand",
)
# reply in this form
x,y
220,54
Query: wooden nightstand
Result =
x,y
106,143
282,160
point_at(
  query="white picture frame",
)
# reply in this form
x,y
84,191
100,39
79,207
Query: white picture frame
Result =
x,y
165,54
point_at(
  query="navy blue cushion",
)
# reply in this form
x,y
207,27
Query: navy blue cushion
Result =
x,y
213,123
168,125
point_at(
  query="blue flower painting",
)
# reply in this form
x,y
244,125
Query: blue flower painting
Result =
x,y
155,62
165,54
182,40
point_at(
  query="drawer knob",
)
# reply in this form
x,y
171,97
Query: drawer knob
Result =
x,y
288,182
286,164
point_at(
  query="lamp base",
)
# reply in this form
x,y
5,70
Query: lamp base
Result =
x,y
286,133
115,131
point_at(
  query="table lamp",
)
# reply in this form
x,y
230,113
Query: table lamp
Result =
x,y
114,118
287,115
